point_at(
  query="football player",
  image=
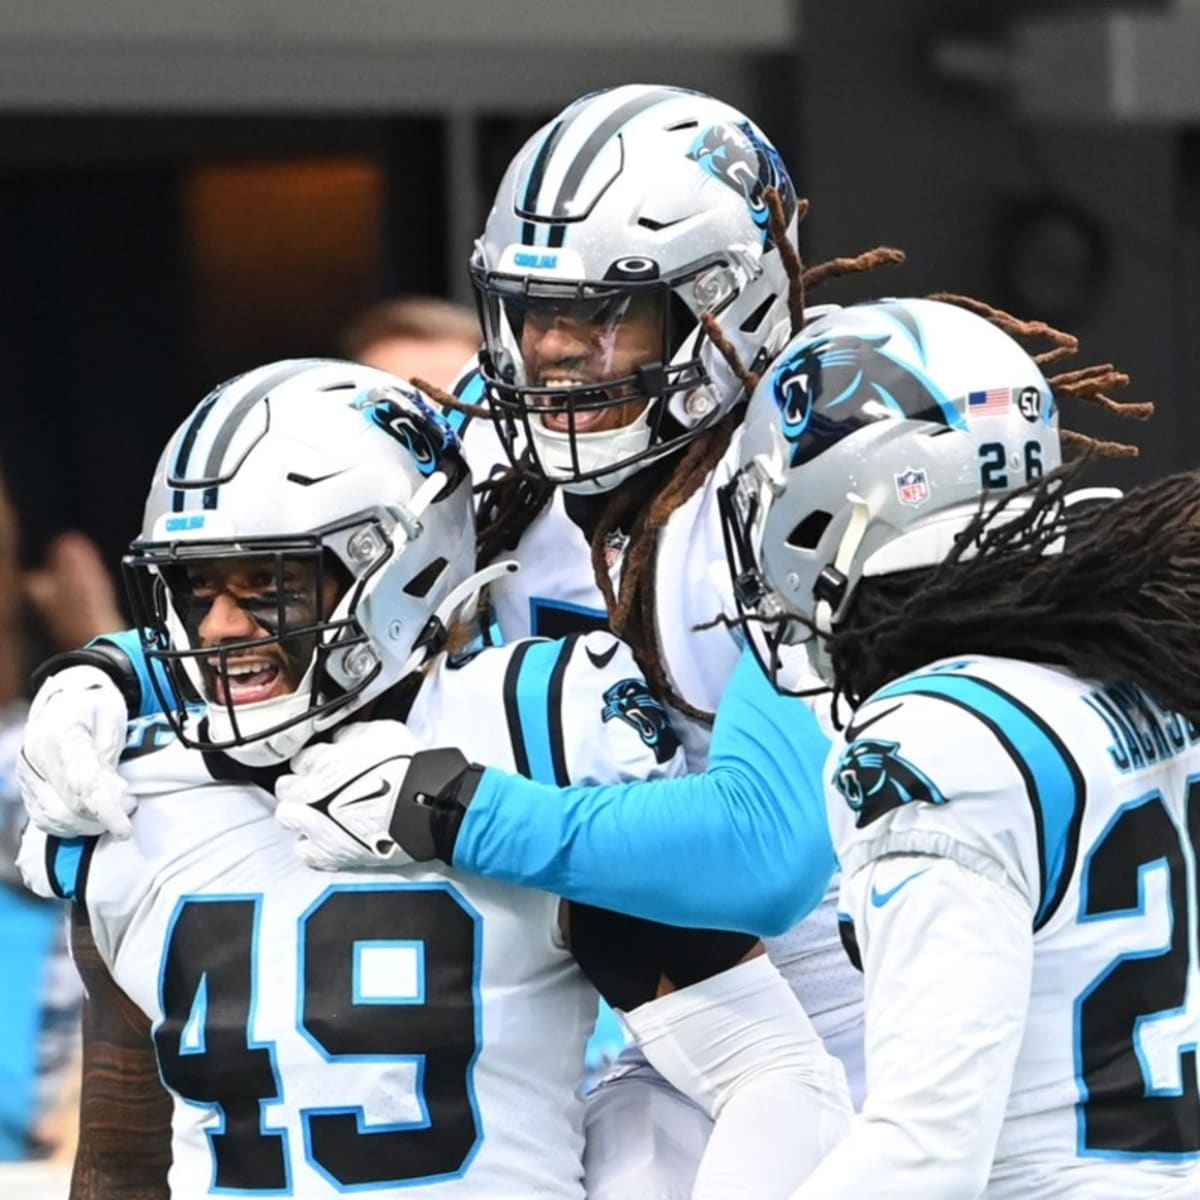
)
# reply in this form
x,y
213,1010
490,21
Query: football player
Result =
x,y
628,263
1013,799
306,560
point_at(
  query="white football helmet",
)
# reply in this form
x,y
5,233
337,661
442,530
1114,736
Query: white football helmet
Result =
x,y
879,433
347,497
639,205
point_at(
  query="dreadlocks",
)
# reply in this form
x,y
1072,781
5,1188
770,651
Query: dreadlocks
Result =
x,y
654,495
1091,384
1111,591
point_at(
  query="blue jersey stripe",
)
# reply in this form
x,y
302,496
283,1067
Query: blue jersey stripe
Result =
x,y
512,710
538,685
1053,780
470,391
556,618
129,642
65,860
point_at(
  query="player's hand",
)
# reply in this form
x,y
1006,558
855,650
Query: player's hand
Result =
x,y
67,768
340,796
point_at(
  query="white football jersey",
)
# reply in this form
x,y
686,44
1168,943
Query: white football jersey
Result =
x,y
1075,808
416,1032
555,590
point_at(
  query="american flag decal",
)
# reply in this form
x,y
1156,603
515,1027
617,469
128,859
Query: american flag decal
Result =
x,y
993,402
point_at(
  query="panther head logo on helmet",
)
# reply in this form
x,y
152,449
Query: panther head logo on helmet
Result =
x,y
739,156
847,375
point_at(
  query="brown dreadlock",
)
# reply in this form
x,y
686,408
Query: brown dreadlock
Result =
x,y
1119,602
632,609
1091,384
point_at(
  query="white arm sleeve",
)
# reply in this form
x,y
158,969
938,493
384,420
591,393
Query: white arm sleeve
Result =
x,y
741,1047
948,959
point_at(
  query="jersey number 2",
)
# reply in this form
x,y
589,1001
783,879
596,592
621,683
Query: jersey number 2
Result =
x,y
209,993
1124,1114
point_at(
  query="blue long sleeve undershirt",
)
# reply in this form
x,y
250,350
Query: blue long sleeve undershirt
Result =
x,y
745,845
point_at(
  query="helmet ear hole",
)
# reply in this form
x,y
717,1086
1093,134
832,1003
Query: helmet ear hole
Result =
x,y
755,319
420,584
333,567
808,533
680,323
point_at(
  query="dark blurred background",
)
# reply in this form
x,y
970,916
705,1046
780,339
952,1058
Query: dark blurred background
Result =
x,y
188,189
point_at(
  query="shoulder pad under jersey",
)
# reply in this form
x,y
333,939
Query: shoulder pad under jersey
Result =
x,y
946,760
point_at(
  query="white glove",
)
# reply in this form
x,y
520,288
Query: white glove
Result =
x,y
340,796
67,768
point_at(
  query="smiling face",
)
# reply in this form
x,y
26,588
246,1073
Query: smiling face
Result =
x,y
574,344
245,607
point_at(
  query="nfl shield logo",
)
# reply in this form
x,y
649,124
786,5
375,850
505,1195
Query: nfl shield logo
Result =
x,y
912,487
614,548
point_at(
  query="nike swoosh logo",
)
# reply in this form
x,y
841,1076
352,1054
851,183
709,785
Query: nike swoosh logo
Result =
x,y
379,791
600,661
853,731
309,480
879,899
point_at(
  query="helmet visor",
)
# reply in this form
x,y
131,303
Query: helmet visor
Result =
x,y
235,625
568,360
588,354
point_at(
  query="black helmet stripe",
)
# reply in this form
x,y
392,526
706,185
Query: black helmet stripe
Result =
x,y
614,121
212,468
187,442
211,475
536,175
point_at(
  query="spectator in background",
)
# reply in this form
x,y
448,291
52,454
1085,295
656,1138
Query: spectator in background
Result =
x,y
413,336
72,596
67,601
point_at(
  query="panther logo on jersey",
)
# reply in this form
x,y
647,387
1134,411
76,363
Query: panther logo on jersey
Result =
x,y
873,779
741,158
829,387
630,701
